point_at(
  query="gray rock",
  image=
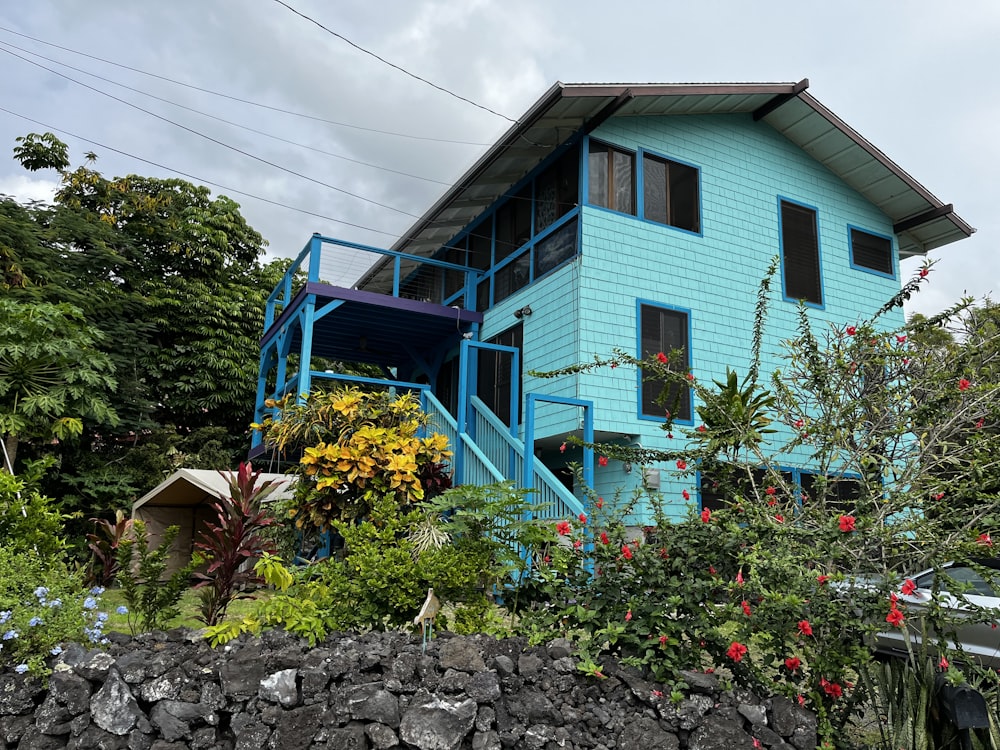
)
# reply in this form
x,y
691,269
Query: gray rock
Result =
x,y
436,723
94,665
486,741
559,648
804,737
114,708
167,685
372,703
719,734
461,654
252,737
171,727
240,675
297,728
205,739
793,722
33,739
485,717
381,736
52,718
699,682
454,681
132,666
280,688
17,694
504,665
756,715
691,710
533,707
12,728
483,687
537,737
94,738
767,736
351,737
565,665
528,665
645,732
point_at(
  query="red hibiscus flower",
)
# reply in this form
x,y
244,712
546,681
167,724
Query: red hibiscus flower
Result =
x,y
847,524
984,540
746,608
681,464
685,494
600,502
627,552
963,384
779,518
901,339
821,579
663,640
706,515
604,537
895,617
577,544
736,651
851,330
662,357
583,518
602,461
924,272
908,587
563,528
799,423
831,688
792,663
701,428
771,491
805,628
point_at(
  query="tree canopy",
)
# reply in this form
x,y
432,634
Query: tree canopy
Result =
x,y
170,283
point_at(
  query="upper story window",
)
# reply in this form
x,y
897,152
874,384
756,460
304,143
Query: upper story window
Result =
x,y
611,178
670,193
800,253
663,329
871,251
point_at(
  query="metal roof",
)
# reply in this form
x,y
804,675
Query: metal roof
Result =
x,y
922,221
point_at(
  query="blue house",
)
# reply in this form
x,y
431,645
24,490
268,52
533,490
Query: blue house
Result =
x,y
640,217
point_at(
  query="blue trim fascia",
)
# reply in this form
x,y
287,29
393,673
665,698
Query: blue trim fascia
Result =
x,y
892,250
819,254
638,347
641,198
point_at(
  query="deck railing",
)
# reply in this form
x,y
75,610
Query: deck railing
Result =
x,y
350,265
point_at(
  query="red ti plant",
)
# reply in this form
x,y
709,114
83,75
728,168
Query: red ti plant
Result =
x,y
232,540
104,543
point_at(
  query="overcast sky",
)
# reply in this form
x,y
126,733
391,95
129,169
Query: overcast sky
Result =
x,y
917,78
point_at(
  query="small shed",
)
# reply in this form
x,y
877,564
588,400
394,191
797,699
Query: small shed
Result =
x,y
183,499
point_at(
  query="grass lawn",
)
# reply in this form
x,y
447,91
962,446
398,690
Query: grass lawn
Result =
x,y
189,605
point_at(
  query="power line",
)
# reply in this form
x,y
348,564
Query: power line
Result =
x,y
222,119
393,65
195,177
243,101
210,138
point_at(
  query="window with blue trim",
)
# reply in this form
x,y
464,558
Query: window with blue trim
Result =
x,y
670,193
611,177
800,253
871,251
664,330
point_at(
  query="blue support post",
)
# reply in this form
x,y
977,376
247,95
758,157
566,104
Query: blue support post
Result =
x,y
307,318
315,255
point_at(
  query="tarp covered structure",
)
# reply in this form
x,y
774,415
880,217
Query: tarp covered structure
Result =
x,y
184,499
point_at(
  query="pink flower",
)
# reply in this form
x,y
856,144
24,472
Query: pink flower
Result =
x,y
657,693
681,464
563,528
685,494
963,384
739,577
602,461
562,448
663,640
802,699
805,628
847,524
943,664
628,615
706,515
736,651
662,357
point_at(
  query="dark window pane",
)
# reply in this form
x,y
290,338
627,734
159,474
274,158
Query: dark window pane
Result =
x,y
556,189
454,280
513,224
480,240
494,380
624,182
554,249
871,251
483,295
510,278
800,253
597,191
663,330
684,197
654,190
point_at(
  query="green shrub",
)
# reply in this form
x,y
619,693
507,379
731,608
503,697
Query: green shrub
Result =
x,y
150,595
28,520
43,606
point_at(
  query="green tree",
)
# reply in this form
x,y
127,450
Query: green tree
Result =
x,y
52,375
173,280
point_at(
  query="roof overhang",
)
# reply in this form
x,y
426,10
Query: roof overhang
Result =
x,y
922,221
187,488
